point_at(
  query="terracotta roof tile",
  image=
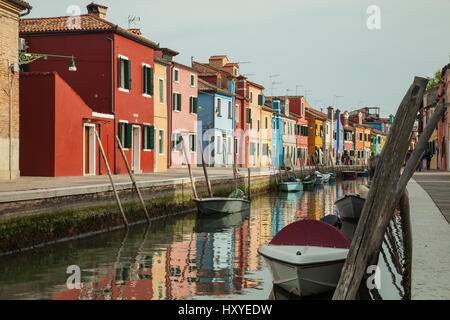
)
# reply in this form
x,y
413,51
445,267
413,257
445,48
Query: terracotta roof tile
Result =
x,y
88,22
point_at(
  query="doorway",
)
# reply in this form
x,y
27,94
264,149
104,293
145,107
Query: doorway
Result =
x,y
89,150
136,149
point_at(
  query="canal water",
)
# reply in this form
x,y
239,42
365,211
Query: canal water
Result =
x,y
189,256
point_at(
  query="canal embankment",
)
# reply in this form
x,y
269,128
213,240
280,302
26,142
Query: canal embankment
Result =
x,y
38,211
430,238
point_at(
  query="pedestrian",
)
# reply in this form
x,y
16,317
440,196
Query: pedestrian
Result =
x,y
428,158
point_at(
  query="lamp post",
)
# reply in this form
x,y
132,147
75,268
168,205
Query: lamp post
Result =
x,y
26,58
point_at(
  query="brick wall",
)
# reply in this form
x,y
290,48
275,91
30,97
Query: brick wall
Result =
x,y
9,33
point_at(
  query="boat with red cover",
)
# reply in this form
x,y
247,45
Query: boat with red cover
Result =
x,y
306,257
349,175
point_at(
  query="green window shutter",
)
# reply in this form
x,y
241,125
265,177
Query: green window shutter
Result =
x,y
260,102
119,62
195,105
121,133
174,101
144,137
128,135
151,137
127,74
150,81
179,102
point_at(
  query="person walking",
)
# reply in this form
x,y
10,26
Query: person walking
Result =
x,y
428,159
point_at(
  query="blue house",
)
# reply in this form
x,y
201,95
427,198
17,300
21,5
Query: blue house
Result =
x,y
216,124
339,135
277,138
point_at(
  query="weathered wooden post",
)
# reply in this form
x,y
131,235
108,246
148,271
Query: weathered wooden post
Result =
x,y
133,180
119,204
194,190
385,192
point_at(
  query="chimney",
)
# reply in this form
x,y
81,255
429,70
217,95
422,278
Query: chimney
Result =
x,y
330,113
97,10
135,31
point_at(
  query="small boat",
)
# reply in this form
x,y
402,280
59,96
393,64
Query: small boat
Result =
x,y
306,257
310,180
291,186
332,175
349,175
350,206
236,202
326,177
364,173
319,177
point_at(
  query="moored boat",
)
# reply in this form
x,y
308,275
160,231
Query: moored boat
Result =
x,y
350,206
332,175
349,174
364,173
222,205
306,257
291,186
310,180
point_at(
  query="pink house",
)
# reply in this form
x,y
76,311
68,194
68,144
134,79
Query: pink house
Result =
x,y
183,116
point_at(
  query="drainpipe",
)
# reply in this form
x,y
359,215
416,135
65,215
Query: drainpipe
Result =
x,y
113,111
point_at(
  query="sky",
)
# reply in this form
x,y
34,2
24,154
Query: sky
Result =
x,y
322,49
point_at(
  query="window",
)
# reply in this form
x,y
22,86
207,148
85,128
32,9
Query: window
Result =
x,y
303,108
258,125
176,141
192,80
317,133
235,72
230,110
147,80
124,73
249,115
176,75
192,142
260,100
236,145
193,105
251,97
219,83
236,115
265,149
161,142
125,134
161,90
360,136
176,101
266,119
219,107
148,141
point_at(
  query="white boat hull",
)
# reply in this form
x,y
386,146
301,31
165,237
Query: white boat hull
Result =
x,y
305,280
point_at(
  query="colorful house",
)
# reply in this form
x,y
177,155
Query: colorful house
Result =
x,y
241,129
121,64
266,135
216,124
183,117
338,136
316,122
162,98
277,139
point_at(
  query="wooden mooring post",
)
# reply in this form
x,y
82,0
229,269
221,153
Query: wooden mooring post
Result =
x,y
125,221
194,190
133,180
387,188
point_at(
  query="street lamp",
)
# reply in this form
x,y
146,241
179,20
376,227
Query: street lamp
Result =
x,y
26,58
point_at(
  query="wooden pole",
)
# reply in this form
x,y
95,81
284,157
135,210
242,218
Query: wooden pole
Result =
x,y
133,180
383,196
208,183
194,190
249,186
125,221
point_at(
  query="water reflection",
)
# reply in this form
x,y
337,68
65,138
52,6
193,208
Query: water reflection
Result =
x,y
186,257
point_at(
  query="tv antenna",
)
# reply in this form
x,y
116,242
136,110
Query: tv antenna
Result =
x,y
296,88
132,20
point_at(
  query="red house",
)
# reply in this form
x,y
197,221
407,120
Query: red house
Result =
x,y
114,79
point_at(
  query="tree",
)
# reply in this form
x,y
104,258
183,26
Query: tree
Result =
x,y
434,81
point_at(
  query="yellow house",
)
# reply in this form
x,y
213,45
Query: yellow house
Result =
x,y
160,107
383,141
266,135
315,129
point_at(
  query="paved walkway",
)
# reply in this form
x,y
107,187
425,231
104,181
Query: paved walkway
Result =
x,y
437,185
430,237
